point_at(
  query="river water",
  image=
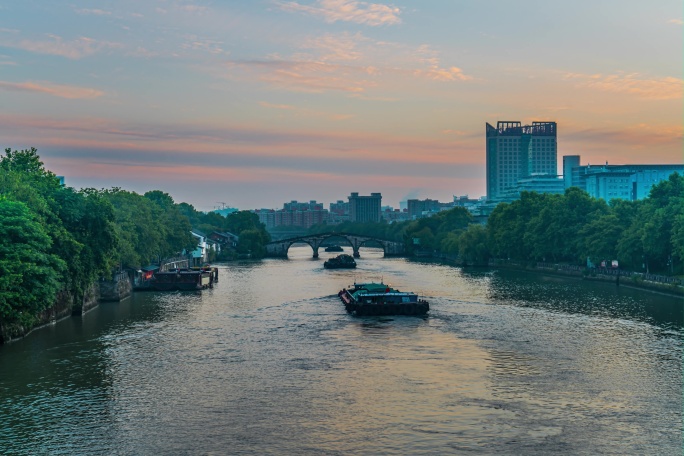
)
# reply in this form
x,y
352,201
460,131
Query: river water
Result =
x,y
268,362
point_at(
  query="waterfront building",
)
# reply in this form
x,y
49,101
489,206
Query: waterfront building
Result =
x,y
201,253
516,151
365,208
629,182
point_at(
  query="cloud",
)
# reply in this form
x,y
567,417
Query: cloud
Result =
x,y
304,112
667,88
56,90
94,12
676,21
195,43
195,9
444,74
641,136
266,104
373,14
349,63
253,143
343,47
75,49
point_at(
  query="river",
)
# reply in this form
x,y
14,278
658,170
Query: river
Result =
x,y
268,362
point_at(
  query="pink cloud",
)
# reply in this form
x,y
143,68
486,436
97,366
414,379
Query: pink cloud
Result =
x,y
667,88
348,63
75,49
373,14
56,90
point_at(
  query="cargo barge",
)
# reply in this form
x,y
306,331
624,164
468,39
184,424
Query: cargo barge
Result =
x,y
368,299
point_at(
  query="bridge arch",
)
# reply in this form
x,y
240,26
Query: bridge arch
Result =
x,y
280,248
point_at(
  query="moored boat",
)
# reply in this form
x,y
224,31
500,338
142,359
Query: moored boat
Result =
x,y
185,279
340,261
365,299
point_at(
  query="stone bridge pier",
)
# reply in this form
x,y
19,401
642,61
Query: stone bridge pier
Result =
x,y
280,248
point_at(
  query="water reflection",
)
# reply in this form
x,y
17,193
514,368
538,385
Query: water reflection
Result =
x,y
560,294
268,362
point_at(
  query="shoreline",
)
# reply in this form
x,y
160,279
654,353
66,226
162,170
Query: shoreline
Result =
x,y
653,287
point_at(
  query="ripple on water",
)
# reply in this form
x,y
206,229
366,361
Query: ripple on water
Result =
x,y
268,362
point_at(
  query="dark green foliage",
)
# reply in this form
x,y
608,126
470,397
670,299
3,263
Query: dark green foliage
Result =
x,y
174,226
29,274
473,247
646,234
56,238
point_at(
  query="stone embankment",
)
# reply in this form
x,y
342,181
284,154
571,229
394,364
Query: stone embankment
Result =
x,y
651,282
67,304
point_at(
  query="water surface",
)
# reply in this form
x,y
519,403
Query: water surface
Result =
x,y
268,362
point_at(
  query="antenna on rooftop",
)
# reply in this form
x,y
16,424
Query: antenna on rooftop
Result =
x,y
222,203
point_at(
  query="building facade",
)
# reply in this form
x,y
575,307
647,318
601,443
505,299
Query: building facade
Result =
x,y
628,182
339,212
516,151
365,208
294,213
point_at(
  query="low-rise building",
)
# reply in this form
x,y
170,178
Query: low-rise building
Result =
x,y
294,213
629,182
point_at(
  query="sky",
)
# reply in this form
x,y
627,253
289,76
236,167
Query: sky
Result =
x,y
255,103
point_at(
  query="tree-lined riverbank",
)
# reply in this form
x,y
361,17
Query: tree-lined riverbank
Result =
x,y
57,242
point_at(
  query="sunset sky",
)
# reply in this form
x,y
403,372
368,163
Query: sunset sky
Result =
x,y
255,103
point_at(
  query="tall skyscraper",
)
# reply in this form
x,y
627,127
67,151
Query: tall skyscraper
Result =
x,y
515,151
365,208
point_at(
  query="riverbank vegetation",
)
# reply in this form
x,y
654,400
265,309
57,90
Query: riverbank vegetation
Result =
x,y
645,235
57,239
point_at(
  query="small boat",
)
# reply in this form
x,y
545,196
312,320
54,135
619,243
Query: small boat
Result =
x,y
343,261
334,248
364,299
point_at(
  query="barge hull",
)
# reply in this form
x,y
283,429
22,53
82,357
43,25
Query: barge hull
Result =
x,y
387,309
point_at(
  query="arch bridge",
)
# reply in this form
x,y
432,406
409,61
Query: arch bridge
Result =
x,y
279,248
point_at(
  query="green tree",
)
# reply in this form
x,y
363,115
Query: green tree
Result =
x,y
601,237
174,226
473,248
29,274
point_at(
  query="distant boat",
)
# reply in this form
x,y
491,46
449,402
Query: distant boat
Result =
x,y
371,298
334,248
343,261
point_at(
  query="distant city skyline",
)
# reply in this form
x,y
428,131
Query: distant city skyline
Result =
x,y
258,103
